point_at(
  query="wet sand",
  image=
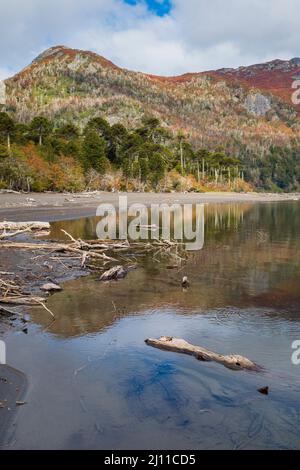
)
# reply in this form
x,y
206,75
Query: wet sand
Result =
x,y
63,206
13,387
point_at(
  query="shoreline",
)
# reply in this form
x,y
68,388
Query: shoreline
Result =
x,y
52,207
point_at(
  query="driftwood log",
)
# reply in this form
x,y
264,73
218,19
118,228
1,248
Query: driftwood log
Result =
x,y
55,247
234,362
12,229
15,226
51,287
30,301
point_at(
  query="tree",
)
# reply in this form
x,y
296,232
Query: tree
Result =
x,y
101,126
68,132
40,127
157,167
181,139
150,125
129,152
21,133
68,140
103,165
118,135
93,151
201,157
7,127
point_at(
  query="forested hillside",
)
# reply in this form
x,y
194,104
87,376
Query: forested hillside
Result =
x,y
75,113
42,156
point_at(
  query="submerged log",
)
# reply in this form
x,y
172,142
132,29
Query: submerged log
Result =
x,y
234,362
16,226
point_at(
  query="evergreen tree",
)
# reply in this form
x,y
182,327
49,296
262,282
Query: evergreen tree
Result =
x,y
7,127
94,151
40,128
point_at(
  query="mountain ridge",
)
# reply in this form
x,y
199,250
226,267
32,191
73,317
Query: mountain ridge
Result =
x,y
249,105
246,74
243,113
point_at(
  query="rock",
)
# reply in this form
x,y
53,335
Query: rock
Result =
x,y
51,288
264,390
257,104
115,273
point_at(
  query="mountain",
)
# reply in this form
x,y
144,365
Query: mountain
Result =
x,y
275,77
249,107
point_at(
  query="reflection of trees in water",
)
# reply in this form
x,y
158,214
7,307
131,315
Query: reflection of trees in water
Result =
x,y
218,217
250,258
80,228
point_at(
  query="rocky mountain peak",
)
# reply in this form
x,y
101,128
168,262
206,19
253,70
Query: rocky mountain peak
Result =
x,y
52,51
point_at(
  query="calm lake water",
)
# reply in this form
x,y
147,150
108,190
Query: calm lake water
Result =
x,y
94,384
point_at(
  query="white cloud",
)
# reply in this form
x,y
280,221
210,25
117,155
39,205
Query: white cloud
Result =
x,y
197,34
4,73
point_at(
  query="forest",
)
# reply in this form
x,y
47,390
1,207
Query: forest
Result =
x,y
42,156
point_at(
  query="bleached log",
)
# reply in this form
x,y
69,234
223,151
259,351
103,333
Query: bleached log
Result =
x,y
16,226
21,300
54,247
234,362
51,287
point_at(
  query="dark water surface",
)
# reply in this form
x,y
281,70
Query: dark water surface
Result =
x,y
94,384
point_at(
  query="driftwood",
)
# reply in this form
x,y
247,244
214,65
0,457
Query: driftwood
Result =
x,y
22,300
50,287
55,247
234,362
95,248
73,249
12,229
8,311
12,294
14,226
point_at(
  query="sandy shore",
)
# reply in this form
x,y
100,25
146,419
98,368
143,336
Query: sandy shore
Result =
x,y
59,206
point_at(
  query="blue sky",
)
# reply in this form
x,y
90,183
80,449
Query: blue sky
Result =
x,y
164,37
159,7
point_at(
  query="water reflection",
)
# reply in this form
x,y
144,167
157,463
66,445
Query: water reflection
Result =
x,y
94,384
251,258
217,218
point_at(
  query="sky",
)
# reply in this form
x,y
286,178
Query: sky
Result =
x,y
164,37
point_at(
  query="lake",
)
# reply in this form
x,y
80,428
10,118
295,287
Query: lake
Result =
x,y
95,384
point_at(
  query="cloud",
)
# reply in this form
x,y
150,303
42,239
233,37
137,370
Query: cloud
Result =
x,y
4,73
257,29
195,35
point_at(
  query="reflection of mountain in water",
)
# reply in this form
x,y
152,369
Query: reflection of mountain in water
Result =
x,y
251,257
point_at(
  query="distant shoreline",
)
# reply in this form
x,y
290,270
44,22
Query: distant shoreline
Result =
x,y
60,206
